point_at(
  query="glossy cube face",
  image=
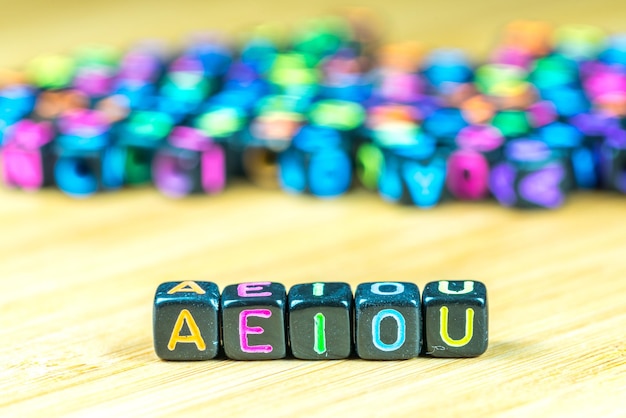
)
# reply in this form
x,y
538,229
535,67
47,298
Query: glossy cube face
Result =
x,y
418,182
186,320
320,321
388,320
180,172
253,321
27,169
316,163
455,318
533,176
83,174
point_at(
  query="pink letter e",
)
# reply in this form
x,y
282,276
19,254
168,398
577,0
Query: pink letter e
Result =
x,y
245,330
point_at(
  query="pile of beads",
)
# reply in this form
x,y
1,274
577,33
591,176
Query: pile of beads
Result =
x,y
545,115
320,321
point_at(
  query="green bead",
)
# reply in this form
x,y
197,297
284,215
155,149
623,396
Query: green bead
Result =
x,y
137,168
282,103
553,71
51,71
221,122
511,123
187,87
369,163
293,70
580,42
321,37
150,125
337,114
97,55
397,133
500,79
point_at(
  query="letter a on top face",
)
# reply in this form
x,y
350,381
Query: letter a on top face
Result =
x,y
388,320
253,321
455,318
186,320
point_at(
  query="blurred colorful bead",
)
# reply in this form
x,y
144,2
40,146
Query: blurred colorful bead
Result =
x,y
541,113
412,179
554,71
191,163
580,42
16,102
447,66
337,114
567,101
445,124
141,135
615,52
51,104
580,163
532,176
468,175
260,166
531,37
51,71
87,162
512,123
316,163
613,160
369,160
27,155
484,139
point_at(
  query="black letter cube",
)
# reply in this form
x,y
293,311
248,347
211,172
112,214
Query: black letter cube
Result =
x,y
253,321
455,318
320,321
186,321
388,320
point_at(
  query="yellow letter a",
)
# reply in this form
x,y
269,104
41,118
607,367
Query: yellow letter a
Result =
x,y
443,327
195,337
187,286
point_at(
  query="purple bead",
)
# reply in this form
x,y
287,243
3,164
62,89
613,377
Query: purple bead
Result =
x,y
531,177
192,163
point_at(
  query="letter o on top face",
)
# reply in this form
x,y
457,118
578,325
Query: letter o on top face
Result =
x,y
387,288
388,321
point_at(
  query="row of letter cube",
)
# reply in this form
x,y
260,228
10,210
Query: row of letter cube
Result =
x,y
316,321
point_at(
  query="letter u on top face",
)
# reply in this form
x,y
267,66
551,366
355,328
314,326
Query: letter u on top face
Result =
x,y
318,321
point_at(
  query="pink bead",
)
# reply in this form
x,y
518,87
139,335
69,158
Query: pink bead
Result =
x,y
468,175
541,114
482,138
83,122
190,138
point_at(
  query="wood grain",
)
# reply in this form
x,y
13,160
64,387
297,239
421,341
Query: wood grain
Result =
x,y
77,278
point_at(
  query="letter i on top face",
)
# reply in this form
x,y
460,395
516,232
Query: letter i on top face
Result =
x,y
455,318
320,321
186,320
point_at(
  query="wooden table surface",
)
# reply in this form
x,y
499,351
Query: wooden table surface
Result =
x,y
77,278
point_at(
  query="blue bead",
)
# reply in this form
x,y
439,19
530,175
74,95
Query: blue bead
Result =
x,y
615,53
445,123
330,173
560,135
75,177
425,182
292,171
317,162
568,101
